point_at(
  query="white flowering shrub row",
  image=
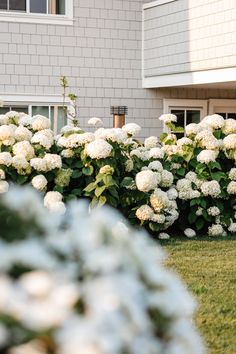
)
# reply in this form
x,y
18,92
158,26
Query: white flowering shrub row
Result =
x,y
106,166
204,166
86,283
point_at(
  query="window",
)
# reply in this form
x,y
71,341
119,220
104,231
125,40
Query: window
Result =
x,y
226,108
40,105
187,111
37,11
55,7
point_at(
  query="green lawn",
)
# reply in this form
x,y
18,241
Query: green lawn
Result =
x,y
208,267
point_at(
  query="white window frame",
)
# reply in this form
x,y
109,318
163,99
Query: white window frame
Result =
x,y
29,17
187,104
214,103
33,100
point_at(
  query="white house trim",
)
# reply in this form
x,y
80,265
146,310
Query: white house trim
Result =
x,y
191,78
185,103
29,17
30,99
230,105
156,3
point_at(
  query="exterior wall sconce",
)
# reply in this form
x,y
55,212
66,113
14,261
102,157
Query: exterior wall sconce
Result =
x,y
119,113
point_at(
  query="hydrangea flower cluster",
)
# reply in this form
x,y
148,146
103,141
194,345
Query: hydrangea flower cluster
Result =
x,y
203,164
87,283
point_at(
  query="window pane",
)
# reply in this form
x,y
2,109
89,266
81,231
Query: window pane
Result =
x,y
223,115
58,118
3,4
17,5
38,6
193,116
232,115
180,117
4,110
43,110
56,7
19,109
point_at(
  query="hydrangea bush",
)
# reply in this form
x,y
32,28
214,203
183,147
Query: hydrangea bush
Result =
x,y
204,167
86,283
106,166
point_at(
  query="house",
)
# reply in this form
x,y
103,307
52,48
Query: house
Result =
x,y
174,56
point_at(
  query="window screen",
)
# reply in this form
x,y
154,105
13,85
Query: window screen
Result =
x,y
38,6
17,5
3,4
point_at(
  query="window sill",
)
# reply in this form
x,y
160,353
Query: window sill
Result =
x,y
36,18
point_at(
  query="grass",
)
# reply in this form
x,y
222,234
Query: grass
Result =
x,y
208,267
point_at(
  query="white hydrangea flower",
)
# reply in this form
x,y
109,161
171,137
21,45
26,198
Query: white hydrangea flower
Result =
x,y
215,230
131,128
163,236
159,200
232,227
57,207
20,162
229,127
39,164
156,153
42,140
146,180
98,149
168,118
231,188
206,156
114,134
2,174
151,142
13,114
158,218
156,166
206,140
53,201
213,211
94,121
232,174
129,165
144,213
40,122
199,211
172,194
215,121
25,120
4,186
189,233
7,135
39,182
141,153
24,148
4,120
22,133
184,141
192,129
5,158
230,141
53,161
211,188
167,179
67,153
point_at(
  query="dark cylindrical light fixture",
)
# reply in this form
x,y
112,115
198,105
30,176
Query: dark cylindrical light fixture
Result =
x,y
119,113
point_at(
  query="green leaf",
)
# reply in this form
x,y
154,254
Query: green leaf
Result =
x,y
203,203
127,182
107,179
77,192
102,200
58,189
163,136
218,176
215,164
181,171
22,179
192,217
76,174
90,187
99,191
200,223
88,171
